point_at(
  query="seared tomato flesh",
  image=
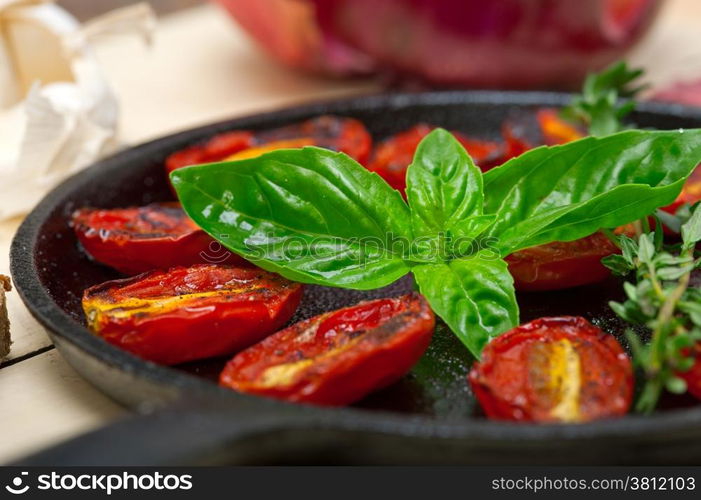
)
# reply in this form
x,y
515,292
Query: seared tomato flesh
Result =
x,y
190,313
332,132
559,265
338,357
553,370
138,239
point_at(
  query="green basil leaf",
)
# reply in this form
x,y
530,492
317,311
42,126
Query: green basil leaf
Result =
x,y
566,192
465,237
310,214
473,226
443,184
474,296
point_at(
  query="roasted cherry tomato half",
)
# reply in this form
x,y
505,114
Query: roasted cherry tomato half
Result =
x,y
217,148
393,156
553,370
190,313
332,132
339,134
138,239
559,265
338,357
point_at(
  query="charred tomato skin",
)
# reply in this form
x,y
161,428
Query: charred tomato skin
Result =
x,y
138,239
561,369
343,134
190,313
217,148
346,135
338,357
560,265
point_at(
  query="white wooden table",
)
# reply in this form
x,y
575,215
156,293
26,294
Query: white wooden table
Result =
x,y
202,68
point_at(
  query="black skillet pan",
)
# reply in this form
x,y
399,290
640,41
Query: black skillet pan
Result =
x,y
428,417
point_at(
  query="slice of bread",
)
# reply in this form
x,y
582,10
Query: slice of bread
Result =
x,y
5,286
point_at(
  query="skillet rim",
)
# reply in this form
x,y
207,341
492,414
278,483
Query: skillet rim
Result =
x,y
58,323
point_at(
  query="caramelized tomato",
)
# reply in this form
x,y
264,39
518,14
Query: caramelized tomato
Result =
x,y
559,265
339,134
190,313
338,357
332,132
553,370
217,148
138,239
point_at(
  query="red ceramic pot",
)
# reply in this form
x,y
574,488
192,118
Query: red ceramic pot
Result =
x,y
476,43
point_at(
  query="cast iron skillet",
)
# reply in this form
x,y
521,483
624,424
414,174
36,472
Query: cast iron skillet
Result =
x,y
429,417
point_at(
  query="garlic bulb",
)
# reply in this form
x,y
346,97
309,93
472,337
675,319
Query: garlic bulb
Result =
x,y
57,112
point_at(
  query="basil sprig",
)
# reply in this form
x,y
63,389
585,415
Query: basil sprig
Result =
x,y
316,216
567,192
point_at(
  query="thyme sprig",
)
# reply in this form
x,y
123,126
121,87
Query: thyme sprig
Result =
x,y
661,299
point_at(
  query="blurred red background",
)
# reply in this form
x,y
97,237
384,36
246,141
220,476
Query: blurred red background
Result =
x,y
473,43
